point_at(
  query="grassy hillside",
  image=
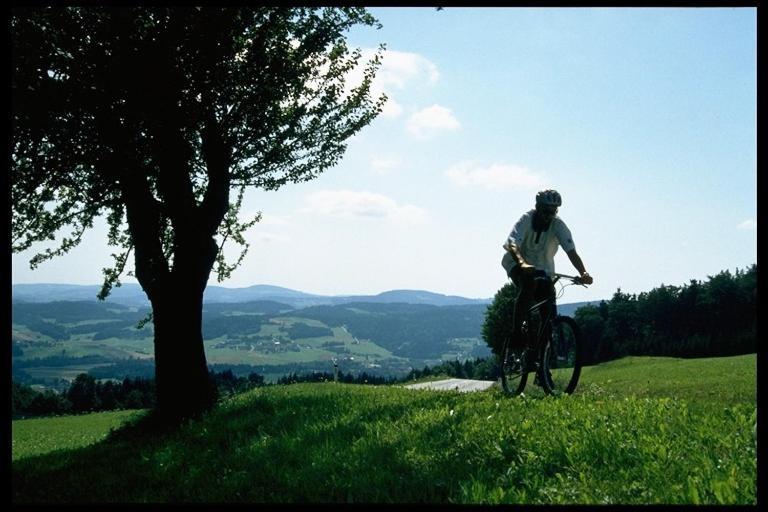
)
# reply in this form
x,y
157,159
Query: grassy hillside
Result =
x,y
638,430
704,382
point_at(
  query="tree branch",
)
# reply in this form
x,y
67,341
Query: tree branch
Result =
x,y
217,156
112,275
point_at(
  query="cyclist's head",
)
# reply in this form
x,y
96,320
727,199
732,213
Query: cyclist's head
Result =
x,y
548,201
549,198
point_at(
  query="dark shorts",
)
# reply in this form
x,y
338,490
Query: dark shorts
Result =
x,y
536,286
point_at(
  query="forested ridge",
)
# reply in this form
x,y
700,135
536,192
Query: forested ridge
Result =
x,y
712,318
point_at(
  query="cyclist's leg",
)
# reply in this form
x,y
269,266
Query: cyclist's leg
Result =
x,y
526,287
544,289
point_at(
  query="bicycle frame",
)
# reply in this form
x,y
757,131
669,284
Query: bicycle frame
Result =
x,y
551,313
535,356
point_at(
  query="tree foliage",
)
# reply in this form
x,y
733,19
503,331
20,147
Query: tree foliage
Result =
x,y
86,394
158,119
187,102
717,317
83,395
498,318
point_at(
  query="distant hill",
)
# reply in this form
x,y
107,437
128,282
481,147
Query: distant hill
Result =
x,y
411,297
127,294
132,295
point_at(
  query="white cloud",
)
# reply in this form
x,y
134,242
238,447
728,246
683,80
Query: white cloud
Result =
x,y
467,174
399,71
383,165
748,225
352,204
391,107
431,120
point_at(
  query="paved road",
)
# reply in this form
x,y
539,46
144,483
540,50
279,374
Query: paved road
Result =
x,y
461,385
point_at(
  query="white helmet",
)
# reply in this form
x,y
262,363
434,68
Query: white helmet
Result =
x,y
549,198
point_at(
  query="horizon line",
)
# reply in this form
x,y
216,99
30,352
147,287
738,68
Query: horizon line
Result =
x,y
267,285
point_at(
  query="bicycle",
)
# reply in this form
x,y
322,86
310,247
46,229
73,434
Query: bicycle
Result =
x,y
552,347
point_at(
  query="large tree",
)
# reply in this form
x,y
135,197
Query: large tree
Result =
x,y
158,119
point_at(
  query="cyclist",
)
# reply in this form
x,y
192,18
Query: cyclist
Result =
x,y
530,251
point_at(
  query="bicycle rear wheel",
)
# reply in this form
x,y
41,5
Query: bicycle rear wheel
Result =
x,y
514,369
561,365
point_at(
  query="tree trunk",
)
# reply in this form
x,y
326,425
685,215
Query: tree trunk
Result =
x,y
184,387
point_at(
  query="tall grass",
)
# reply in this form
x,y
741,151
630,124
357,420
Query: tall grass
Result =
x,y
625,443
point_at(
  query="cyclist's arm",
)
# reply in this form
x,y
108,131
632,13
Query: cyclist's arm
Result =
x,y
579,265
517,233
514,250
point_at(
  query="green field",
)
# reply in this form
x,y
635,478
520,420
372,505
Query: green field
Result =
x,y
637,431
269,345
44,435
83,345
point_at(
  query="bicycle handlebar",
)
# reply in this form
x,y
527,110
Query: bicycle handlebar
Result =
x,y
573,279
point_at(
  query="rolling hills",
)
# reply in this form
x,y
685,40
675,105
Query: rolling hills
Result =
x,y
283,331
132,295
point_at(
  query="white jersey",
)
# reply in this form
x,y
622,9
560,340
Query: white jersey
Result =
x,y
538,248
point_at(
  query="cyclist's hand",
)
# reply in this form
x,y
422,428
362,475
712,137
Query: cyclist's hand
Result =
x,y
586,278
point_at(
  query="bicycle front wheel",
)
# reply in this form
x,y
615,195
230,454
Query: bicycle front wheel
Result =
x,y
561,365
514,369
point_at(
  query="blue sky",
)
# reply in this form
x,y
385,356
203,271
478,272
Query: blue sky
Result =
x,y
643,118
